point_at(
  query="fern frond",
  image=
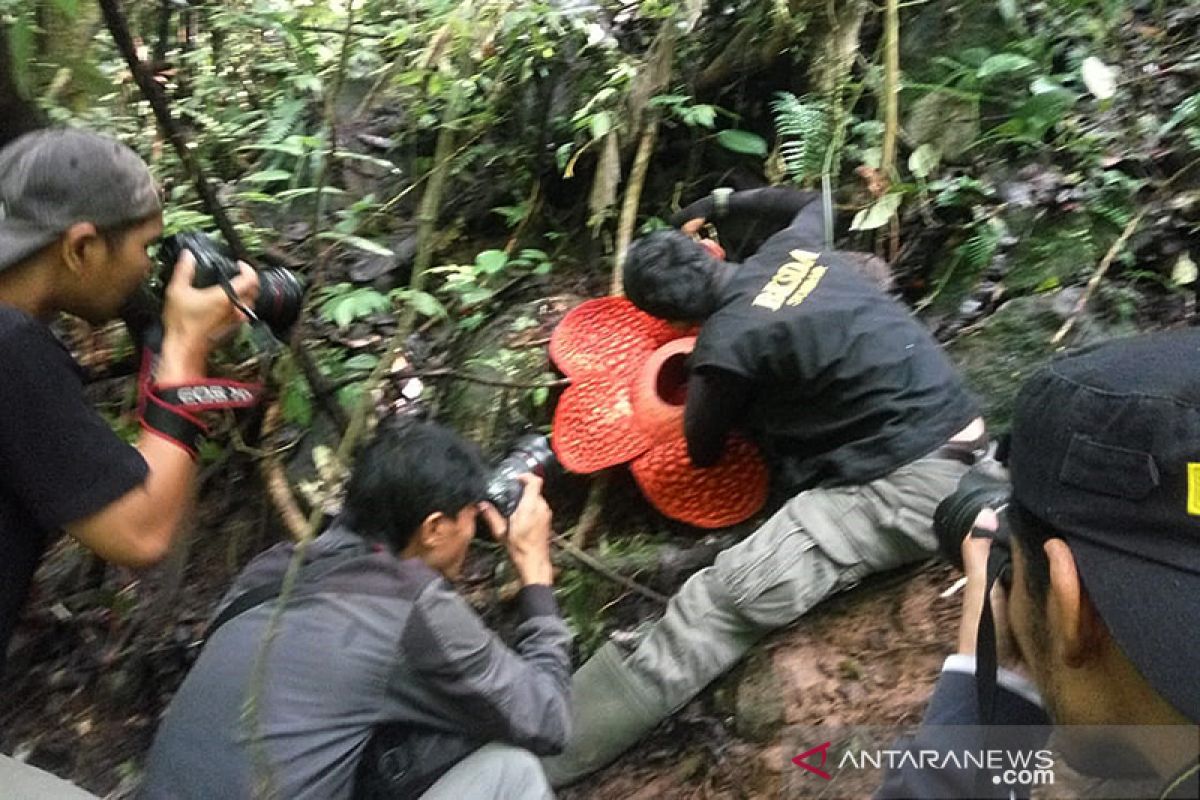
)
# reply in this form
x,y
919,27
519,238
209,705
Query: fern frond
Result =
x,y
805,133
285,119
977,252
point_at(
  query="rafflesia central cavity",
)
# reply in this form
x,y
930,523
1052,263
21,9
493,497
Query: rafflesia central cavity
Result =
x,y
626,401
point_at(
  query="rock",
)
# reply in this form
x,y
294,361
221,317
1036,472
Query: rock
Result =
x,y
758,700
947,121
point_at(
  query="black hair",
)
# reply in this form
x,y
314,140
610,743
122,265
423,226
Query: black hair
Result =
x,y
671,276
1030,532
407,472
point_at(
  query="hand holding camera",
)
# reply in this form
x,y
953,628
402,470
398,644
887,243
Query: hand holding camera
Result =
x,y
968,525
194,320
526,533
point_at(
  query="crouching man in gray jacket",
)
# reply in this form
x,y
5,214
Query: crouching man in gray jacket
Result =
x,y
381,681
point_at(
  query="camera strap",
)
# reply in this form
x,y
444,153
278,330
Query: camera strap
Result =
x,y
261,334
986,657
172,410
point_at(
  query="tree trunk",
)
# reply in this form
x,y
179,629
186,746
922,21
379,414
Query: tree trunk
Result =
x,y
17,114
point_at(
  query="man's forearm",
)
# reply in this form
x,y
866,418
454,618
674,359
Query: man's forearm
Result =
x,y
138,528
715,400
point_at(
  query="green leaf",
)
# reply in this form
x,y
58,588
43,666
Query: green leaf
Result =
x,y
1002,63
290,146
350,394
540,395
703,115
668,100
356,241
304,191
268,176
490,262
601,124
878,213
363,362
425,304
296,402
924,160
1189,109
343,307
744,142
255,197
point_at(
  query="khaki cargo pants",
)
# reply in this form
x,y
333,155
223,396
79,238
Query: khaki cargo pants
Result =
x,y
821,542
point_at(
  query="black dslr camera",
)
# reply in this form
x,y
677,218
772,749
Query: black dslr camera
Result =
x,y
530,455
984,486
280,291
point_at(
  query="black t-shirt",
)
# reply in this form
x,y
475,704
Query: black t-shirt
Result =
x,y
845,385
59,459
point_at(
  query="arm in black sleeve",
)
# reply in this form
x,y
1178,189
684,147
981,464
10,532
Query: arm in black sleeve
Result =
x,y
715,400
777,204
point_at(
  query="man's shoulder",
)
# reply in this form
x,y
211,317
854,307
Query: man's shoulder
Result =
x,y
16,325
22,337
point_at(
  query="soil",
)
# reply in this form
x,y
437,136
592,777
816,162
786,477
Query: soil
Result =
x,y
867,657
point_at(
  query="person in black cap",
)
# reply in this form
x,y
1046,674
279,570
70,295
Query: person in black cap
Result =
x,y
77,212
1103,523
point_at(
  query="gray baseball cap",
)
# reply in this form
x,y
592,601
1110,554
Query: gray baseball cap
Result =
x,y
51,179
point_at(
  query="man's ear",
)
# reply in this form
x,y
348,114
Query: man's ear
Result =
x,y
79,245
434,529
1074,622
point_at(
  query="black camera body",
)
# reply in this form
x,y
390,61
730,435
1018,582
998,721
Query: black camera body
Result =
x,y
531,455
280,291
985,485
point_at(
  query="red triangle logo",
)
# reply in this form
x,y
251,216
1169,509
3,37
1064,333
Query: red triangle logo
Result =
x,y
823,749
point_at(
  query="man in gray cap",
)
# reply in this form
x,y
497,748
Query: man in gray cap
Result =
x,y
1103,527
77,212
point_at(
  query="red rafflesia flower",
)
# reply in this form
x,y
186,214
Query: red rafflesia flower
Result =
x,y
625,403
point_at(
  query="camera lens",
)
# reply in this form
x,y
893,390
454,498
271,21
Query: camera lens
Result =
x,y
955,516
280,298
531,455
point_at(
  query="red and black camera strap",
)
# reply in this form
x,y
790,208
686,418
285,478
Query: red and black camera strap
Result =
x,y
173,411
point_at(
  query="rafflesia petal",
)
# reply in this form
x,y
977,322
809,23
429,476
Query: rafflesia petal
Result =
x,y
725,494
593,426
607,336
660,391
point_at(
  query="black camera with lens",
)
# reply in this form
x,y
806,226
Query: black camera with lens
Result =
x,y
985,485
280,291
530,455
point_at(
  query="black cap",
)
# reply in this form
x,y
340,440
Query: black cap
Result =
x,y
1106,449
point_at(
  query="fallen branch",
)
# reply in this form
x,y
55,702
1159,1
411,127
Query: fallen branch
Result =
x,y
590,516
279,491
596,564
454,374
1098,275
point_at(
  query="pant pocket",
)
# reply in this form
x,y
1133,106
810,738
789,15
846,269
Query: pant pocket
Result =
x,y
778,573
